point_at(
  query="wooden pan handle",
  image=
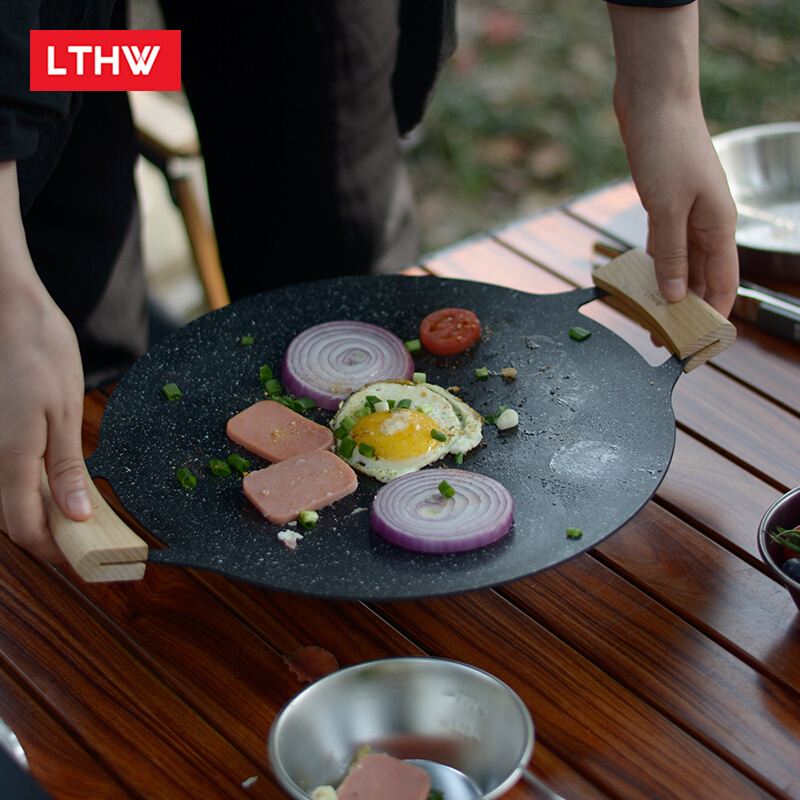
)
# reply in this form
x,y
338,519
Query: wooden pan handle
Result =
x,y
103,548
690,327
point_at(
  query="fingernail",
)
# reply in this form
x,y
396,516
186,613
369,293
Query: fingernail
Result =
x,y
674,289
79,503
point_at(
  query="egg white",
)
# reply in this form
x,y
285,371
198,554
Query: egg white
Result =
x,y
459,424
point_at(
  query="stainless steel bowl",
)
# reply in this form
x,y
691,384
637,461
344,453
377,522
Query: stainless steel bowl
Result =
x,y
419,708
762,164
783,513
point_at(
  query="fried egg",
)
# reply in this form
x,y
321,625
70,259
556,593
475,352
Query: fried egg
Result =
x,y
390,428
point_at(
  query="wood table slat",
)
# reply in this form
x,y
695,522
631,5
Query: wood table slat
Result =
x,y
151,740
744,610
691,679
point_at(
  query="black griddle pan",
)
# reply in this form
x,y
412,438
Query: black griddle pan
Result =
x,y
595,437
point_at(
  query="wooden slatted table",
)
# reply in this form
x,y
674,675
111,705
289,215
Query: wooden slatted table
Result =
x,y
664,663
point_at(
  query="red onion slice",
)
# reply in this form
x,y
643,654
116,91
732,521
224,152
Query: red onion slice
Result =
x,y
330,361
411,512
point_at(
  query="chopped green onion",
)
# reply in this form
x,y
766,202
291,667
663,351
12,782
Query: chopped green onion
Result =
x,y
273,386
438,435
365,449
446,489
186,478
172,391
419,377
372,399
346,447
391,403
246,340
266,373
459,458
382,405
482,372
308,519
219,467
305,403
404,403
413,345
574,533
579,334
340,432
348,423
425,409
238,463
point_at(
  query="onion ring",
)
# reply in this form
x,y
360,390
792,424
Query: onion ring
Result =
x,y
329,361
411,512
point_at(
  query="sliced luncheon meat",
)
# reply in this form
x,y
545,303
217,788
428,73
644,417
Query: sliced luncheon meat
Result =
x,y
271,430
306,482
381,776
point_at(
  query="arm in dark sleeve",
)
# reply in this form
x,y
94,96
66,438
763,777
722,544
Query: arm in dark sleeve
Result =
x,y
651,3
23,114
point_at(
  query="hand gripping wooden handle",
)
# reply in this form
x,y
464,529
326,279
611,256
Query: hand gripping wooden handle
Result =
x,y
102,548
690,327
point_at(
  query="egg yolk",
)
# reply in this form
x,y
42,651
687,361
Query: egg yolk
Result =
x,y
396,435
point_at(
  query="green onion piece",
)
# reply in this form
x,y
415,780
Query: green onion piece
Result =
x,y
483,372
340,432
414,345
172,391
436,794
579,334
238,463
391,403
219,467
459,458
574,533
490,419
438,435
366,449
372,399
348,423
424,409
305,403
346,447
186,478
404,403
308,519
265,373
446,489
419,377
787,538
273,386
246,340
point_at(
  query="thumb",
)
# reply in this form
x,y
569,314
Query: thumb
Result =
x,y
69,484
672,271
671,259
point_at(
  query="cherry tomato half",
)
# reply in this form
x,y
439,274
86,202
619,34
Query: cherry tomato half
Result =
x,y
449,330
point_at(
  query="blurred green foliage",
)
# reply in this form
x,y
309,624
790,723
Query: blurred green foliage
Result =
x,y
522,117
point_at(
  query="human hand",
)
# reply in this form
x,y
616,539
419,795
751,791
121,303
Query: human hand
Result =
x,y
676,171
41,396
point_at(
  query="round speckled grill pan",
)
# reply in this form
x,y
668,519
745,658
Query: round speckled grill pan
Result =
x,y
595,438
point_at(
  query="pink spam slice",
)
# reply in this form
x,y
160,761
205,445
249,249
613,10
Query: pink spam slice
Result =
x,y
381,776
271,430
301,483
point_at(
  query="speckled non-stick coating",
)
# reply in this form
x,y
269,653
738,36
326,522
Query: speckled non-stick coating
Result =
x,y
595,438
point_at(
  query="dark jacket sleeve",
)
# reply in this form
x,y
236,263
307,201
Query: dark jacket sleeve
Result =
x,y
651,3
23,113
35,125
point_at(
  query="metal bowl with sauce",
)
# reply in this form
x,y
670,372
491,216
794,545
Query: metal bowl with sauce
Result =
x,y
427,709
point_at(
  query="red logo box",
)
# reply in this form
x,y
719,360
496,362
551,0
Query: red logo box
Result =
x,y
105,61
